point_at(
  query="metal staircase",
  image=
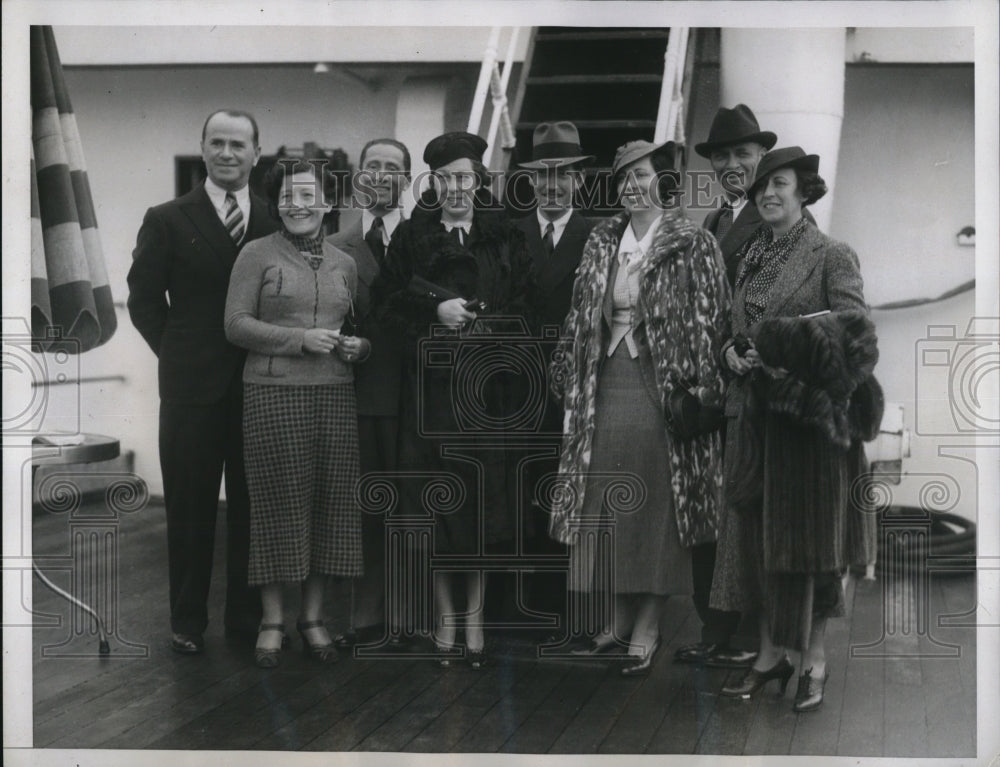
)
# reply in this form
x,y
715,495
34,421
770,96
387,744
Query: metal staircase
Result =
x,y
616,85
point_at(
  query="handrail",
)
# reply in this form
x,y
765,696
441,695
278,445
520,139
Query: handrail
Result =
x,y
669,122
494,81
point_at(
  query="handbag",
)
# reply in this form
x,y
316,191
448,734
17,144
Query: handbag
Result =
x,y
688,418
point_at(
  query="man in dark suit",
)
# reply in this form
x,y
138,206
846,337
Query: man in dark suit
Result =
x,y
735,146
555,233
383,176
183,256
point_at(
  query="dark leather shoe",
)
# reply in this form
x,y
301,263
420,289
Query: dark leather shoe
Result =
x,y
476,658
809,695
187,644
346,640
643,666
595,647
694,653
753,680
730,657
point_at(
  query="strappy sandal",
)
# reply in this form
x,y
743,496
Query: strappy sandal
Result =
x,y
325,653
265,657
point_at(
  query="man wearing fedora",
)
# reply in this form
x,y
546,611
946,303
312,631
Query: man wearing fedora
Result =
x,y
555,233
735,146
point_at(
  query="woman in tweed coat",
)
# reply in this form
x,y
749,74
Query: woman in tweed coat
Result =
x,y
784,541
289,296
648,315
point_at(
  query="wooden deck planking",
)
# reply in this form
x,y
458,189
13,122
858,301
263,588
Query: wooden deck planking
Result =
x,y
397,691
687,713
861,715
468,709
510,712
324,700
908,706
539,733
400,728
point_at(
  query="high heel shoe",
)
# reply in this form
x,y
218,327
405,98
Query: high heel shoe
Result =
x,y
809,696
266,657
322,653
642,667
753,680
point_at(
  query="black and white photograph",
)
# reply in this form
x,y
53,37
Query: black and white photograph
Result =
x,y
593,382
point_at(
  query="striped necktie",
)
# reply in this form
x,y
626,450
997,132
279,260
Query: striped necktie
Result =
x,y
725,222
234,219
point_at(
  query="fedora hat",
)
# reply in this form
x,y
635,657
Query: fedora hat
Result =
x,y
786,157
554,145
636,150
734,126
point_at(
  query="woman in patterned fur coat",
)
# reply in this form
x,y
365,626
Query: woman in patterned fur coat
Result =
x,y
649,315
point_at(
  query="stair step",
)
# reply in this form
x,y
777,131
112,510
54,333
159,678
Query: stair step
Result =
x,y
617,34
598,124
595,79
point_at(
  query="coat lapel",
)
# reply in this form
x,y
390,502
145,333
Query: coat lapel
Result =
x,y
802,261
566,257
199,209
353,242
742,230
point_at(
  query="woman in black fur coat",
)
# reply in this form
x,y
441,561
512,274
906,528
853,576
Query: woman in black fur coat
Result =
x,y
456,264
801,401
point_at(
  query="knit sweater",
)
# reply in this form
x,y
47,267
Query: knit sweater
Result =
x,y
275,295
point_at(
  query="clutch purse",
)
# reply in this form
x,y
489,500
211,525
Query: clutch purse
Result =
x,y
688,418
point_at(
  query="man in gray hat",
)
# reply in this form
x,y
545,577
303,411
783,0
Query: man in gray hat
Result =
x,y
555,233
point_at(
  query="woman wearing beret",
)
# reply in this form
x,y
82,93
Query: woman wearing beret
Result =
x,y
289,297
455,262
802,394
647,322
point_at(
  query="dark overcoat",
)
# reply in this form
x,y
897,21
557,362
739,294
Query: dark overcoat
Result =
x,y
455,386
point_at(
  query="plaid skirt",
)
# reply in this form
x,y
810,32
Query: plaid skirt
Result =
x,y
301,449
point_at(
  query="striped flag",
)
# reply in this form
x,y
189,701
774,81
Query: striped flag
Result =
x,y
71,305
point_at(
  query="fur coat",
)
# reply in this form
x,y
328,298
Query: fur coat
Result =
x,y
799,451
683,304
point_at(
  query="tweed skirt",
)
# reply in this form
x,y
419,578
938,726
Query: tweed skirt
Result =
x,y
301,450
629,541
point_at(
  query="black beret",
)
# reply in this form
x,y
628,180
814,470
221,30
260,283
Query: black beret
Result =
x,y
452,146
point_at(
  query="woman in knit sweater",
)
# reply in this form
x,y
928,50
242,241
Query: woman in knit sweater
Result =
x,y
289,298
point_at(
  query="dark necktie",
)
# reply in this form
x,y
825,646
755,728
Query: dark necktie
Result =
x,y
234,218
375,240
457,234
725,223
549,239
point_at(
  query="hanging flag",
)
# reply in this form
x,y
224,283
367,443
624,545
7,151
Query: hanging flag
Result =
x,y
71,305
